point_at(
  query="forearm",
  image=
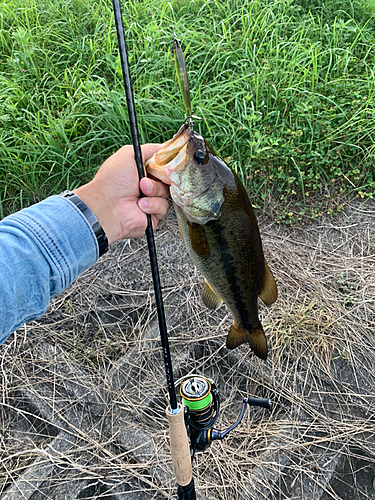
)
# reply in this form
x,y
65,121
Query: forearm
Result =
x,y
43,249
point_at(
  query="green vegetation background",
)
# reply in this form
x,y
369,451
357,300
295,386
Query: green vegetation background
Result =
x,y
285,90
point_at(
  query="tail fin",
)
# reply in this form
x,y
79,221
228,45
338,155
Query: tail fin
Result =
x,y
255,338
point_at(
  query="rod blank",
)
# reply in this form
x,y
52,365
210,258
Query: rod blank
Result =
x,y
149,231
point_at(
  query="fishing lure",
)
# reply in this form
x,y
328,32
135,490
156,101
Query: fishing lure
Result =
x,y
182,76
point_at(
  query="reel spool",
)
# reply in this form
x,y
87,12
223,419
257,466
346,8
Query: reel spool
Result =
x,y
200,398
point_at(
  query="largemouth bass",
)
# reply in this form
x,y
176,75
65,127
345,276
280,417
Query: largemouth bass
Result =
x,y
220,232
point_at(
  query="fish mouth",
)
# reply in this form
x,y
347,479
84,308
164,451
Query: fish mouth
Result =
x,y
170,156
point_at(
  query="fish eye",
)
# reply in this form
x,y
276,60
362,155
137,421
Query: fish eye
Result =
x,y
199,156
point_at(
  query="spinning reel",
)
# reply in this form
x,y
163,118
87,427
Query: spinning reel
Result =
x,y
201,401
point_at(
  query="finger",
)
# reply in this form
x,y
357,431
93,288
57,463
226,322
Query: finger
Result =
x,y
148,150
150,187
154,206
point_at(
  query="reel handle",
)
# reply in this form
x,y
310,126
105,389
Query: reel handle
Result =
x,y
263,402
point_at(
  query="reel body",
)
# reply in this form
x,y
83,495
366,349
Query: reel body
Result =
x,y
200,398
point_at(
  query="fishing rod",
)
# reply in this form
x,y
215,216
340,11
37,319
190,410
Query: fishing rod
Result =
x,y
194,418
179,442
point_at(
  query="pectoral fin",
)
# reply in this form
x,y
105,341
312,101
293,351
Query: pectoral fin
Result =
x,y
210,297
269,290
255,338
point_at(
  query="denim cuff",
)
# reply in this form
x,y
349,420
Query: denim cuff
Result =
x,y
43,248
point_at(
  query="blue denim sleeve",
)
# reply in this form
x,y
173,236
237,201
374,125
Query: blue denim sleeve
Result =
x,y
43,249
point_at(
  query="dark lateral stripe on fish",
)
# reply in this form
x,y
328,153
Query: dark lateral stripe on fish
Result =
x,y
223,256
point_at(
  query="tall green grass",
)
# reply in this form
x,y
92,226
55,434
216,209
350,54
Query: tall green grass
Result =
x,y
285,90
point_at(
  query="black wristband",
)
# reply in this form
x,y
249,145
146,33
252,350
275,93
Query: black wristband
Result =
x,y
91,219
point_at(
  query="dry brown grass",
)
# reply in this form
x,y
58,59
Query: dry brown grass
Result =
x,y
82,383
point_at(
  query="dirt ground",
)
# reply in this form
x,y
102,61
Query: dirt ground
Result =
x,y
83,390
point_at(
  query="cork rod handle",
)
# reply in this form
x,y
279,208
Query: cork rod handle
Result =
x,y
180,449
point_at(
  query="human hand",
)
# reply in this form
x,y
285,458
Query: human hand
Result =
x,y
114,195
